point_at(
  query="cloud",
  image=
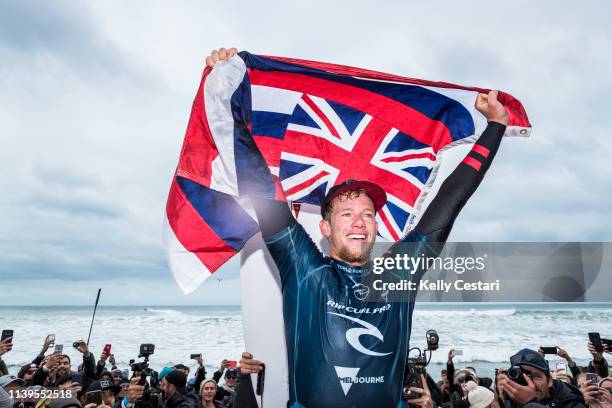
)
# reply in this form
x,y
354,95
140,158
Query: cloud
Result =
x,y
96,98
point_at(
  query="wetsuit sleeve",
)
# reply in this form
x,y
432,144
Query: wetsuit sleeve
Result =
x,y
437,221
292,249
273,216
244,396
433,229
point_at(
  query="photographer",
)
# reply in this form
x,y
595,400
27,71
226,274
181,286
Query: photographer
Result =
x,y
529,380
597,395
598,365
175,394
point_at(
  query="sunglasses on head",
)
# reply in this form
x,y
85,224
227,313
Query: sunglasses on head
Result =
x,y
525,358
465,379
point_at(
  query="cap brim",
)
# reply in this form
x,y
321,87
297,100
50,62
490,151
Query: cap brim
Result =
x,y
376,193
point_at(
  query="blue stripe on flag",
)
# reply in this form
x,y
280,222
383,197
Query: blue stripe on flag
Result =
x,y
420,172
399,215
300,117
221,212
271,124
252,173
434,105
402,142
290,168
349,116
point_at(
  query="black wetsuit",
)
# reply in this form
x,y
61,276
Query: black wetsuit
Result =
x,y
344,351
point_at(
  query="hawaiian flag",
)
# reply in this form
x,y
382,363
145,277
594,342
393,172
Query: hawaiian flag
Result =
x,y
290,130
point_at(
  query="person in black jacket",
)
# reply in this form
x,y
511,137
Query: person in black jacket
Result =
x,y
175,394
540,388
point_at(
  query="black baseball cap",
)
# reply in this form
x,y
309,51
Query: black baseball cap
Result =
x,y
530,358
103,385
178,379
376,193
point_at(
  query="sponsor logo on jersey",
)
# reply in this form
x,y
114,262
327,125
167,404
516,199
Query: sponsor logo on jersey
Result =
x,y
348,376
366,329
360,291
358,310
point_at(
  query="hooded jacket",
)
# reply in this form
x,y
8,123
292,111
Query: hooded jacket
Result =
x,y
563,396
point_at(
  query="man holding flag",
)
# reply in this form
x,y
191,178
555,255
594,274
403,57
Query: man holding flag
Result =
x,y
345,350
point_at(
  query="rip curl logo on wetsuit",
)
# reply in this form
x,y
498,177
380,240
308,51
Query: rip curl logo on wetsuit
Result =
x,y
352,335
360,291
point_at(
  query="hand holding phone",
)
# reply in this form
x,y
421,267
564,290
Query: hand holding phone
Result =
x,y
59,348
595,340
7,334
549,350
107,349
232,364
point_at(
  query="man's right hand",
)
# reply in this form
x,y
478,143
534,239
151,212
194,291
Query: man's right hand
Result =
x,y
223,365
597,355
521,394
48,342
200,361
221,54
248,365
590,392
82,347
6,345
52,361
450,355
134,391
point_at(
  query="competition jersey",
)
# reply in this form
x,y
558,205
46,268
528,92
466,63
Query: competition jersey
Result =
x,y
343,350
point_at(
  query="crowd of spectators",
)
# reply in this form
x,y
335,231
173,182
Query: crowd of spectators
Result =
x,y
53,380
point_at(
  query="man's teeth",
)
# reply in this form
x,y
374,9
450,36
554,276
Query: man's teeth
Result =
x,y
357,236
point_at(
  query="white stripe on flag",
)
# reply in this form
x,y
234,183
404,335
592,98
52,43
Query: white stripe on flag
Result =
x,y
269,99
188,271
219,87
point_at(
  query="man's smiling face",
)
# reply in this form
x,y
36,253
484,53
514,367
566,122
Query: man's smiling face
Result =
x,y
351,228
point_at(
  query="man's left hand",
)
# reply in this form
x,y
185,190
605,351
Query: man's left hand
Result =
x,y
491,108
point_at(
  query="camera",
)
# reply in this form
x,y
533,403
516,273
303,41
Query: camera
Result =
x,y
152,396
416,366
412,376
516,375
433,340
146,350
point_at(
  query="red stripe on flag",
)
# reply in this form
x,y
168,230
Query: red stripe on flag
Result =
x,y
385,221
481,150
199,150
470,161
321,115
410,156
516,111
306,184
410,121
193,232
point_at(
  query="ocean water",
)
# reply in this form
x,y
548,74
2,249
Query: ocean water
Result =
x,y
487,333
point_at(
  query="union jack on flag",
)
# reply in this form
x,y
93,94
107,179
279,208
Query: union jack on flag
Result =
x,y
290,130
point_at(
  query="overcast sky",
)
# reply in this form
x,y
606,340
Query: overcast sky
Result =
x,y
95,98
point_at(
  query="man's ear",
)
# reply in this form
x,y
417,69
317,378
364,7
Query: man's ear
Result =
x,y
325,228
